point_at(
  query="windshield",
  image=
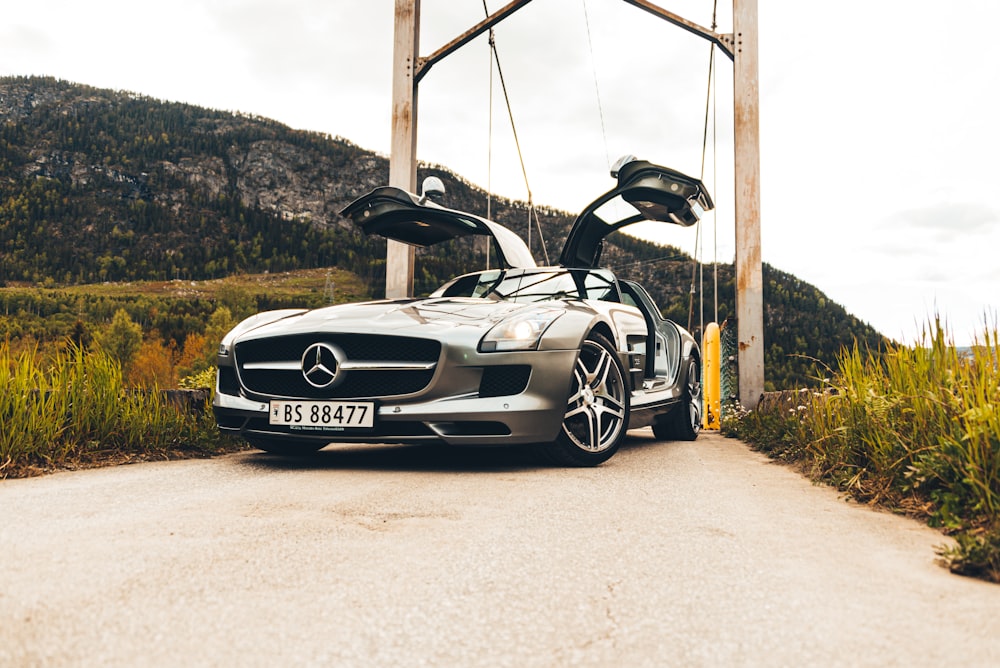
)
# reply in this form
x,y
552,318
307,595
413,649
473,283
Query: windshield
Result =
x,y
534,286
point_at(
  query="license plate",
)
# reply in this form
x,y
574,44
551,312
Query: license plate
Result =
x,y
323,415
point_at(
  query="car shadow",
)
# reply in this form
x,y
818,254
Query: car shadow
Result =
x,y
420,458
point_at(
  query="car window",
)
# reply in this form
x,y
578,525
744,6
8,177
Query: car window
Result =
x,y
635,295
534,286
538,286
472,285
601,285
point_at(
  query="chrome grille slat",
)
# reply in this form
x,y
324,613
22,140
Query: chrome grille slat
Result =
x,y
350,365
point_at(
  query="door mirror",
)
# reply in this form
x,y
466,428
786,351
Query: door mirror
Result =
x,y
432,188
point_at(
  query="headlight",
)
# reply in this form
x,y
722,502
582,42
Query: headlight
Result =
x,y
258,320
519,332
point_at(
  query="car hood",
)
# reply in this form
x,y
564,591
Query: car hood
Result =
x,y
427,317
401,216
645,192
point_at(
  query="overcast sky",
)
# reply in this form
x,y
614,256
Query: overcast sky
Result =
x,y
879,133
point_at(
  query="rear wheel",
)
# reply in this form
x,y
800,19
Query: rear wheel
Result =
x,y
596,416
683,423
287,448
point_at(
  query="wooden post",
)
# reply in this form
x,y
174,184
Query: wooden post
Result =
x,y
403,156
749,275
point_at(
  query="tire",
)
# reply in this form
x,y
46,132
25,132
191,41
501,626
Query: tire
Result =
x,y
597,409
286,448
683,423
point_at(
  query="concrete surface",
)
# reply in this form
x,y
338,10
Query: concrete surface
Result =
x,y
671,554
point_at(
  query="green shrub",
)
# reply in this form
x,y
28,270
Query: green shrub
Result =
x,y
976,554
201,380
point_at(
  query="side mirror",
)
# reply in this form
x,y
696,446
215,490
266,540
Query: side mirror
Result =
x,y
432,188
621,162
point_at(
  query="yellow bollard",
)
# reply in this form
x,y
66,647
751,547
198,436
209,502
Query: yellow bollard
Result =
x,y
712,377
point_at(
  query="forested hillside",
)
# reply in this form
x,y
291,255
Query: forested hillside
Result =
x,y
98,185
103,186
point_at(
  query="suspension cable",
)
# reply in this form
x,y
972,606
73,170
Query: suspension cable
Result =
x,y
541,237
715,182
679,257
489,143
694,273
517,143
510,114
698,242
597,88
715,164
489,149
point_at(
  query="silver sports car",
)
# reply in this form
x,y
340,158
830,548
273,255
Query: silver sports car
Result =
x,y
563,358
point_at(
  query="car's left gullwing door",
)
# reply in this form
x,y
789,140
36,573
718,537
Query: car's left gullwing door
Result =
x,y
399,215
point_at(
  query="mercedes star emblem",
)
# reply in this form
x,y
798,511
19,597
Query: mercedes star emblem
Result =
x,y
320,364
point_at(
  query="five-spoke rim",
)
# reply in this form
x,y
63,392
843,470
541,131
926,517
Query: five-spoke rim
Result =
x,y
595,412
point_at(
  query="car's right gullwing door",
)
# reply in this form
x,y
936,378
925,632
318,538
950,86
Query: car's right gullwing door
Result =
x,y
645,192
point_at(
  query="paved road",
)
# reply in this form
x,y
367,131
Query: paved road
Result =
x,y
686,554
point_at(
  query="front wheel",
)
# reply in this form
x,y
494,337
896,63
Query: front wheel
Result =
x,y
596,416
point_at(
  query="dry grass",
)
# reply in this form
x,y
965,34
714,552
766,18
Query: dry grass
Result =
x,y
287,283
70,408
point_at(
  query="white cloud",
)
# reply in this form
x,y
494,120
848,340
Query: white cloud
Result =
x,y
878,139
948,219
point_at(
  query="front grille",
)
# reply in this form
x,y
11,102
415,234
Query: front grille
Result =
x,y
501,381
357,383
370,347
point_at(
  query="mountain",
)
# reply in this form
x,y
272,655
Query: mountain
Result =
x,y
99,185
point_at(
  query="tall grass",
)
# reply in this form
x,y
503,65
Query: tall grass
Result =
x,y
71,406
911,427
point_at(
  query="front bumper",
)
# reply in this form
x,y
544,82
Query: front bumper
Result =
x,y
533,415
